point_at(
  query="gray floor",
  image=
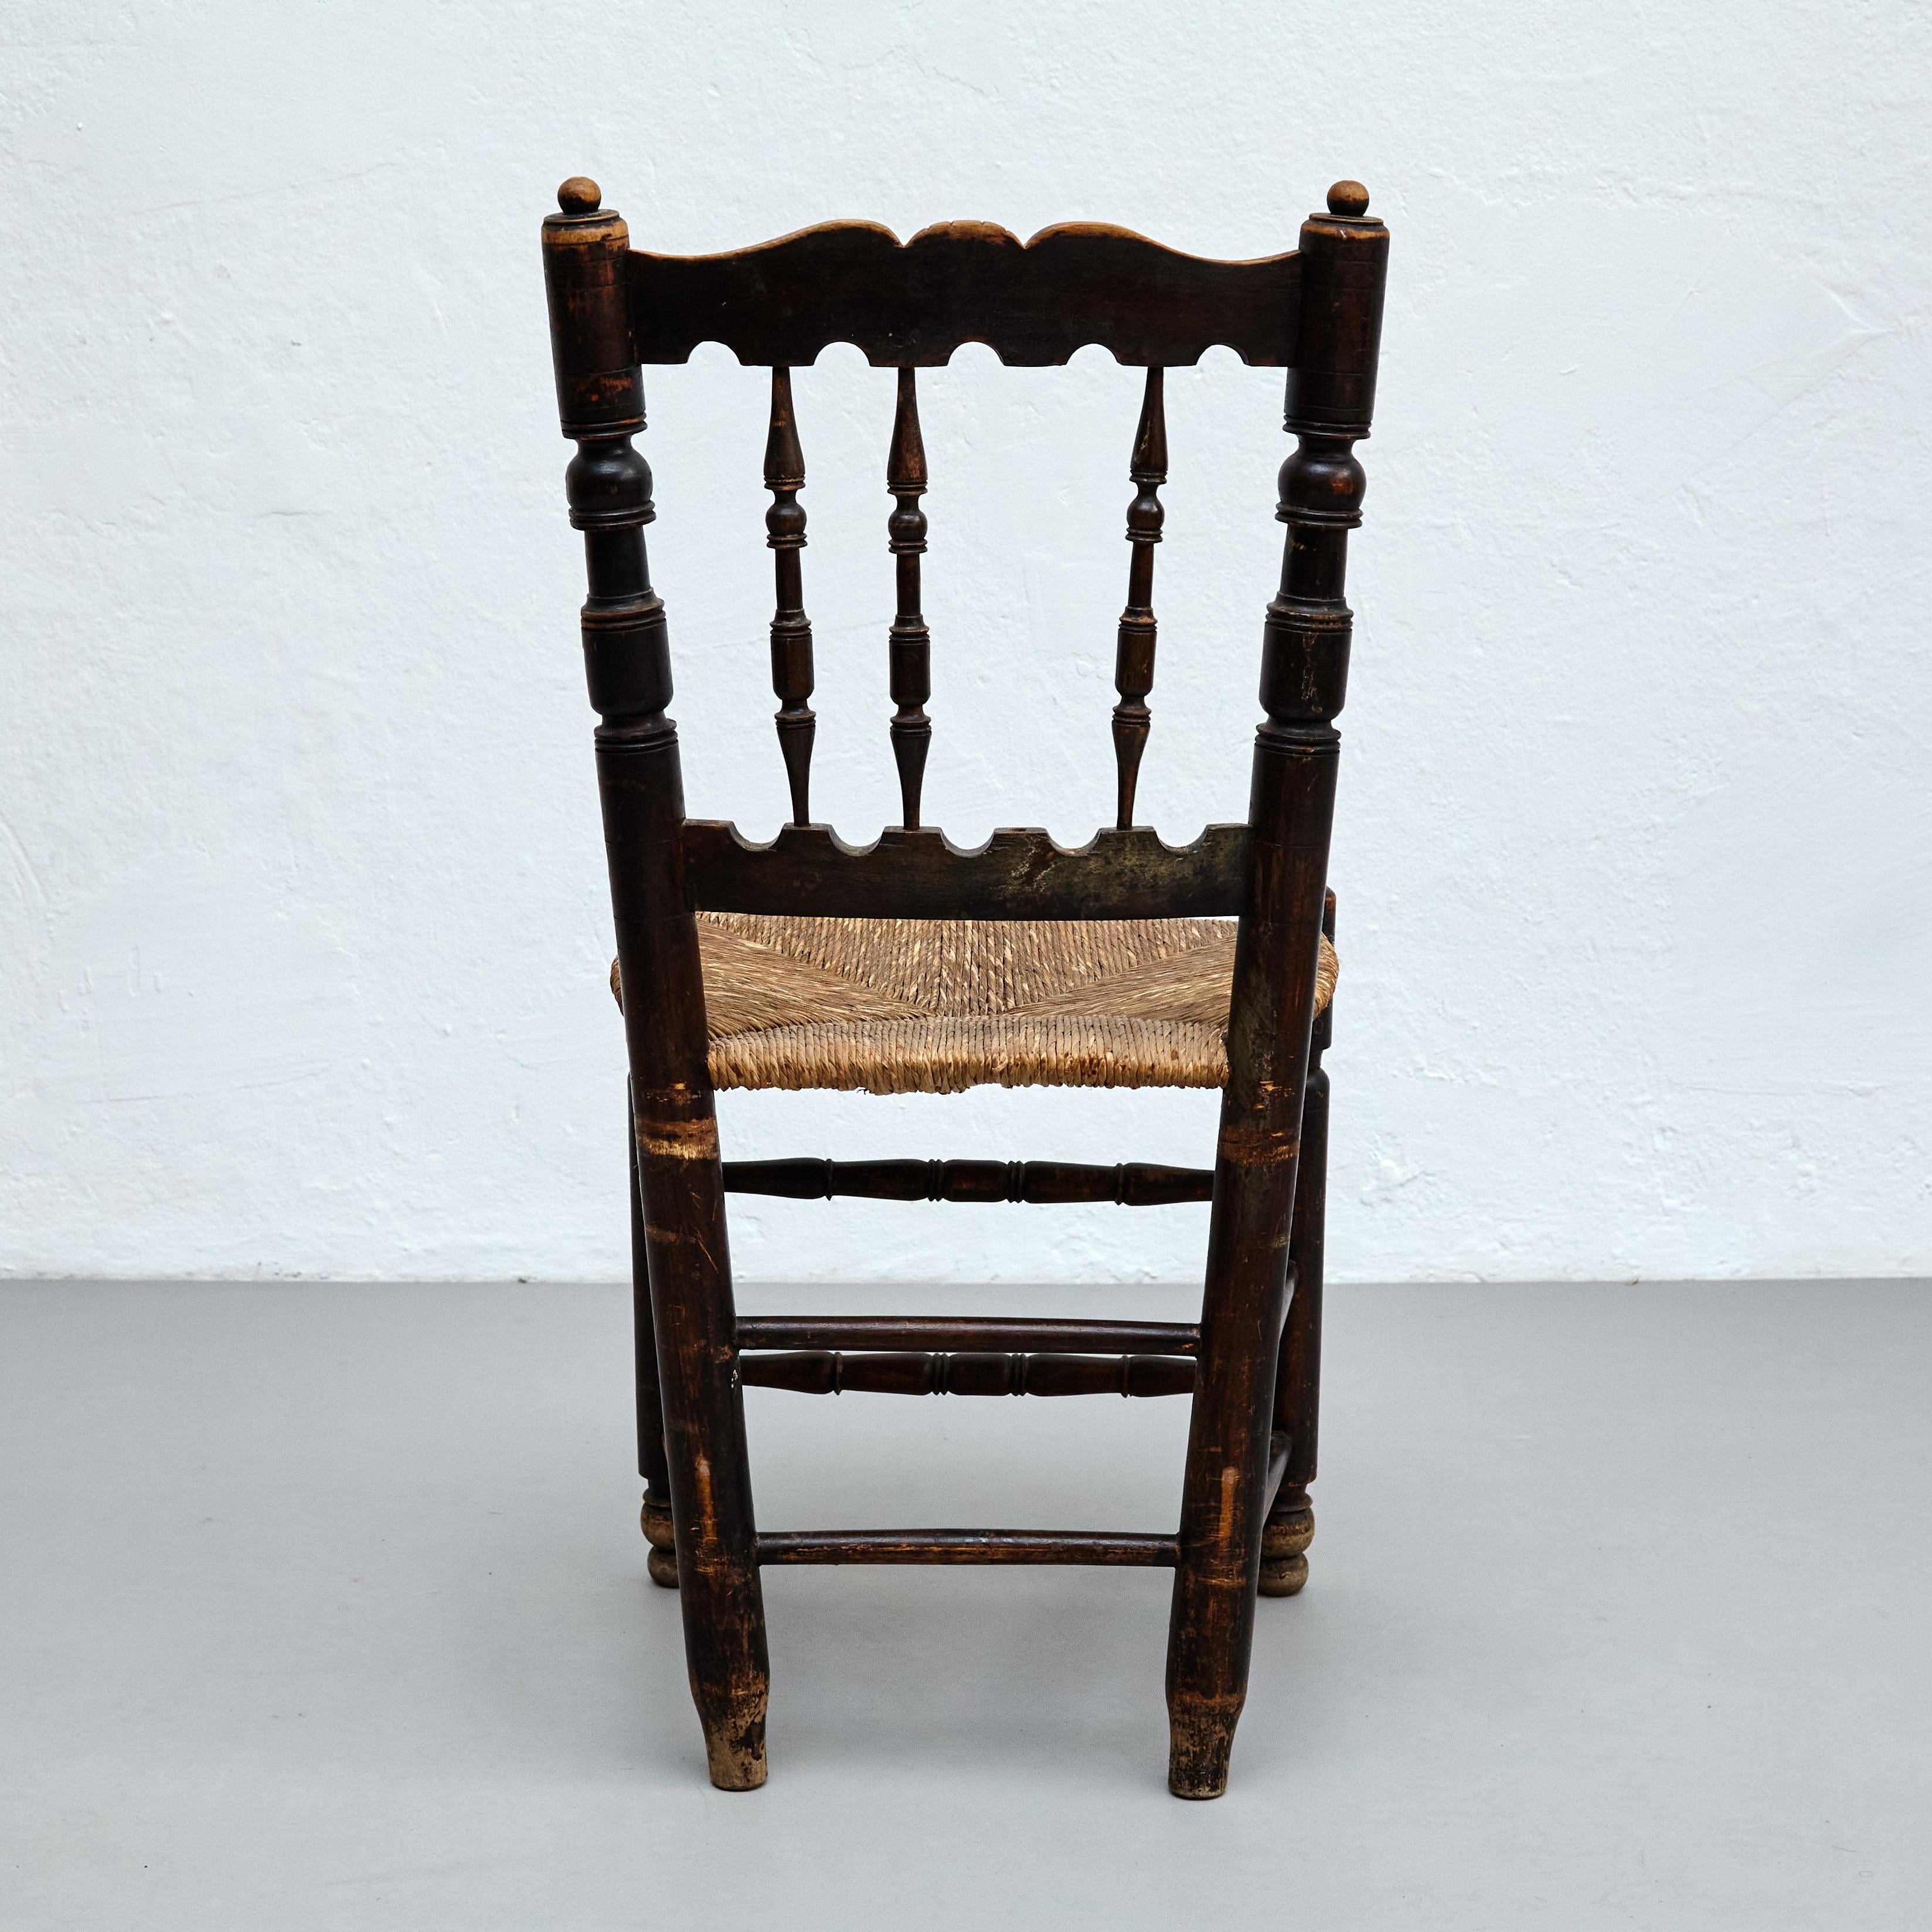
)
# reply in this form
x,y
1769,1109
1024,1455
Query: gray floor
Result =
x,y
324,1605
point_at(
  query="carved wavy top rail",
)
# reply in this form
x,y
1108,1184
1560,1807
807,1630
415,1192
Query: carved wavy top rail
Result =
x,y
807,869
910,305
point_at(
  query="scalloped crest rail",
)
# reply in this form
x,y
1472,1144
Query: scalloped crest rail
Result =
x,y
912,304
1250,1360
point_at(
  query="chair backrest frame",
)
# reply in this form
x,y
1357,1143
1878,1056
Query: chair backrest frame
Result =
x,y
910,305
1317,311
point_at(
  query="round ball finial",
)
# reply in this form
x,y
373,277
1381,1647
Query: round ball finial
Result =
x,y
1348,198
580,195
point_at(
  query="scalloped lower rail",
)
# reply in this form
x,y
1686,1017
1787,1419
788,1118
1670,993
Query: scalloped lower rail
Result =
x,y
1019,873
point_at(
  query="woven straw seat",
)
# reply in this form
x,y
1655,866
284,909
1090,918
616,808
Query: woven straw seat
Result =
x,y
903,1005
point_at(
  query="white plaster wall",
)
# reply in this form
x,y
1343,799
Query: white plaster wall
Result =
x,y
303,927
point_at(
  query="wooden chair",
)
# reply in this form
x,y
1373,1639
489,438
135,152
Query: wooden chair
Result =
x,y
912,964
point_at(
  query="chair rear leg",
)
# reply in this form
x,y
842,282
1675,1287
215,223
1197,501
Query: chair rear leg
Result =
x,y
1298,1388
654,1518
680,1187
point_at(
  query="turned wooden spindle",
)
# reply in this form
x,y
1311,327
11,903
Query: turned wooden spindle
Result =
x,y
1099,1547
1039,1335
1131,1184
791,628
909,643
831,1371
1133,655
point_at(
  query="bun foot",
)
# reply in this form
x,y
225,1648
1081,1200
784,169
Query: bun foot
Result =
x,y
661,1564
1284,1564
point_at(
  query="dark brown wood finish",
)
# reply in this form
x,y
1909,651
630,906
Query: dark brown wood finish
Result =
x,y
1092,1547
911,305
909,647
1040,1183
1304,675
1038,1335
1251,1363
791,628
1278,1447
627,661
1297,1394
822,1372
1018,873
1133,652
655,1517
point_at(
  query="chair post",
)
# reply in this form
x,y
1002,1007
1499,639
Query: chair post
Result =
x,y
1304,673
1297,1387
627,659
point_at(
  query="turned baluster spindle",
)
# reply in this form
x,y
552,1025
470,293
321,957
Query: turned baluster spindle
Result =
x,y
1133,654
910,644
791,628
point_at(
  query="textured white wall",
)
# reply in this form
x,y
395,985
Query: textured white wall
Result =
x,y
302,924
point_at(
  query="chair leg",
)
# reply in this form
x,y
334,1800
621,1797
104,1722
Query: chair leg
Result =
x,y
715,1539
1297,1387
1210,1631
680,1190
1270,1042
680,1180
654,1517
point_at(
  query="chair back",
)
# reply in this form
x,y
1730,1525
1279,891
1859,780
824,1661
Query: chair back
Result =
x,y
1316,313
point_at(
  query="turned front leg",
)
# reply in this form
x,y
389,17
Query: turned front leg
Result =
x,y
654,1517
1297,1387
1298,1398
